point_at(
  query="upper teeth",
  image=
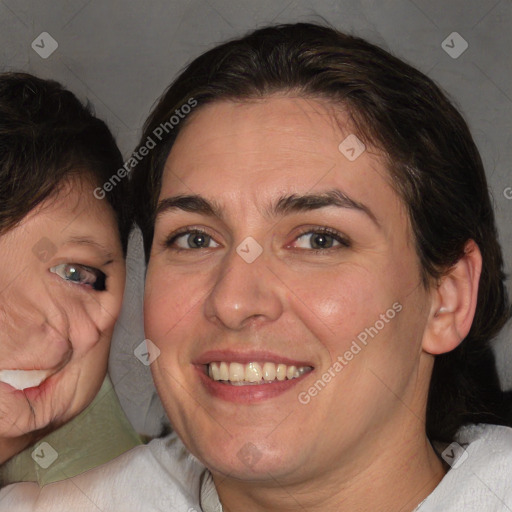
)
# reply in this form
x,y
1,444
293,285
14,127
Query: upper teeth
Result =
x,y
254,373
22,379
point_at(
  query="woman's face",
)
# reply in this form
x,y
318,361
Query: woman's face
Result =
x,y
61,287
283,292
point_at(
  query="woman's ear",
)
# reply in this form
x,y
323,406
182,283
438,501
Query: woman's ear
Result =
x,y
454,303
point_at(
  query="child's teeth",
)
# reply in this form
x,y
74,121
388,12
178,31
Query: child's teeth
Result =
x,y
22,379
254,373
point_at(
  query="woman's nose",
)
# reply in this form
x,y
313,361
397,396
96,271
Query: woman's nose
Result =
x,y
245,292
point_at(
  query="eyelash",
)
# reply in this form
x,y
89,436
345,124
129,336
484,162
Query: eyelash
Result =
x,y
99,283
343,241
188,230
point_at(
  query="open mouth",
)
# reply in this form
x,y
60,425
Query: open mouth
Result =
x,y
254,373
23,379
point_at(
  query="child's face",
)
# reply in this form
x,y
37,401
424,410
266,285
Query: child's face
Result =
x,y
61,286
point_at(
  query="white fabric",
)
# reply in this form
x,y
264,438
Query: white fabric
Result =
x,y
163,476
483,482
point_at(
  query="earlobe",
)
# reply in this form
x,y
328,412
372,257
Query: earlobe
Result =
x,y
454,303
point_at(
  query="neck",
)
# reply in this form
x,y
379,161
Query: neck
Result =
x,y
396,480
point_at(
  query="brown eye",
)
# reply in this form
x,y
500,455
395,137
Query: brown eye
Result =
x,y
319,240
198,240
192,240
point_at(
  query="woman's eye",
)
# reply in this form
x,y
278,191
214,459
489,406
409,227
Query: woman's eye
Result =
x,y
319,240
192,240
81,274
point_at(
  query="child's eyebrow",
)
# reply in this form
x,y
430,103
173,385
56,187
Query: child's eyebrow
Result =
x,y
195,203
85,240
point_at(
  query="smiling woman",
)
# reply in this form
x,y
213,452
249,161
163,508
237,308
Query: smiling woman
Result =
x,y
324,281
62,252
357,186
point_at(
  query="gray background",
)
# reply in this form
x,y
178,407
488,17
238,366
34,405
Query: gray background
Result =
x,y
121,56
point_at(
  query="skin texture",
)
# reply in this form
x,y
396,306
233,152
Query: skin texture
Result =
x,y
360,443
49,322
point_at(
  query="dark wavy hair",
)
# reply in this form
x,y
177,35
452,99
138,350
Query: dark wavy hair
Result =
x,y
432,160
46,137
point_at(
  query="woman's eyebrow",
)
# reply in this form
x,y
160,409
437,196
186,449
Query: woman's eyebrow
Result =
x,y
192,203
284,205
314,201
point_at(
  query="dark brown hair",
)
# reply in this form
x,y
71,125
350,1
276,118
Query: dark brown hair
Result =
x,y
433,163
46,137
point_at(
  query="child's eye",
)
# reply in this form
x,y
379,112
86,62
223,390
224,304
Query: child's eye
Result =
x,y
192,240
81,274
319,239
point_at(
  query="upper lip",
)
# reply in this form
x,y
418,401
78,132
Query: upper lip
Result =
x,y
40,367
246,357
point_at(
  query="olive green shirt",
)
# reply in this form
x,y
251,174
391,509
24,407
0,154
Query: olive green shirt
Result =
x,y
98,434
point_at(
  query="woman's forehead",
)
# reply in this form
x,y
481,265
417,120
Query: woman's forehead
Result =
x,y
274,148
281,117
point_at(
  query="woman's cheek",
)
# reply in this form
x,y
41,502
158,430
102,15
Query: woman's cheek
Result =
x,y
169,298
340,303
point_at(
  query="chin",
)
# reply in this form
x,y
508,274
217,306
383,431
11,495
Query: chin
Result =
x,y
246,460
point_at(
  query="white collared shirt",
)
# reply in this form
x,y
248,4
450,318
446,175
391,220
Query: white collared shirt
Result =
x,y
163,476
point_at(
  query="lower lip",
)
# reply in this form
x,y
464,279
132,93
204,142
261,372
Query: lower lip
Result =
x,y
34,392
247,394
44,388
